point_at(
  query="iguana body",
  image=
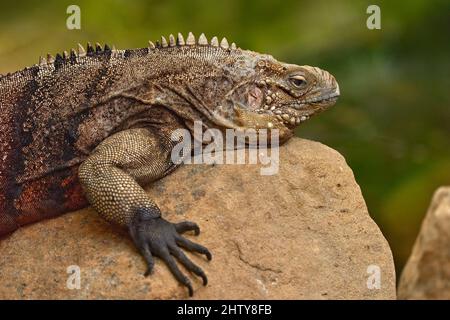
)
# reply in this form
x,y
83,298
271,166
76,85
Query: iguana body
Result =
x,y
93,128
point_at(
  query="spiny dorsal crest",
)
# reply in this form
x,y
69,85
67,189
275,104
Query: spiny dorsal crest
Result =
x,y
74,54
190,41
163,43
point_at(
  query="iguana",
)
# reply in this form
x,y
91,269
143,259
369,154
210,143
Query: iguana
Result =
x,y
93,126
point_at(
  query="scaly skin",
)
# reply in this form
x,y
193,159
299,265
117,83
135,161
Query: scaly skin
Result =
x,y
94,128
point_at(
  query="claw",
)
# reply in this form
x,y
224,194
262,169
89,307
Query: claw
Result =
x,y
208,255
191,291
205,280
148,272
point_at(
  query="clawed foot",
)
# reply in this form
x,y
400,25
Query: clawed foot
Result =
x,y
156,236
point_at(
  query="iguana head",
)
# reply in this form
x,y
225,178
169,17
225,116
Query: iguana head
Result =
x,y
275,95
228,87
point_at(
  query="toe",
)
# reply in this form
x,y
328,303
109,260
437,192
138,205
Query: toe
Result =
x,y
176,252
192,246
185,226
170,261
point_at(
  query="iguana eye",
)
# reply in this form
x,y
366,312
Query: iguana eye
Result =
x,y
297,81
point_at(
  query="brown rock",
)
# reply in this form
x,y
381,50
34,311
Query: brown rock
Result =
x,y
427,272
303,233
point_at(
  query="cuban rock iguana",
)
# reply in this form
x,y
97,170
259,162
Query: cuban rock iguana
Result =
x,y
93,126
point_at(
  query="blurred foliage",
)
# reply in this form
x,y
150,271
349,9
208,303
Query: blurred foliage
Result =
x,y
392,122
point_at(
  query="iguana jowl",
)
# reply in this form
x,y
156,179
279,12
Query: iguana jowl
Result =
x,y
94,127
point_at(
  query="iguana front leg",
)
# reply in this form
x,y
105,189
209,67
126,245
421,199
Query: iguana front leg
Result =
x,y
112,177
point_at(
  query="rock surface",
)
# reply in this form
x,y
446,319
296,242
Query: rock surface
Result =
x,y
304,233
427,272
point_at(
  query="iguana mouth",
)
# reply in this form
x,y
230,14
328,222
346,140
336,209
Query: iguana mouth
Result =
x,y
259,108
294,112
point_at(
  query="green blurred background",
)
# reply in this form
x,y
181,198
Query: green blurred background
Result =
x,y
392,122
